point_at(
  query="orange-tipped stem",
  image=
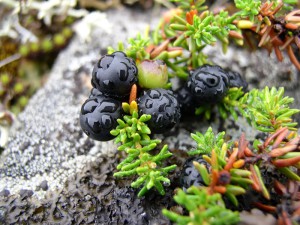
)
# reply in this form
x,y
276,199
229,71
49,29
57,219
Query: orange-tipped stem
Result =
x,y
255,185
280,138
278,7
274,135
292,57
291,26
190,16
133,93
242,146
215,177
264,207
281,151
278,53
239,164
248,152
287,43
286,162
231,160
291,16
279,188
159,49
286,219
265,35
235,34
219,189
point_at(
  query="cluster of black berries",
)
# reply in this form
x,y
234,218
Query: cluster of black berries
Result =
x,y
208,85
112,79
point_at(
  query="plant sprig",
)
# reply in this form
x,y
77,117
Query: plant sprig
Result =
x,y
206,142
203,208
133,134
267,110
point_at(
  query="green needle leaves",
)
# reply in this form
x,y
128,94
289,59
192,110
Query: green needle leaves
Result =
x,y
204,208
133,134
268,109
249,8
208,141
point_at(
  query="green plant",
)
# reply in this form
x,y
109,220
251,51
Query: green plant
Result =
x,y
236,167
267,110
203,207
133,134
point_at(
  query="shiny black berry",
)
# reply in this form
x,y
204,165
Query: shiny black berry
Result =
x,y
163,107
99,116
95,92
189,175
186,101
114,75
236,80
208,84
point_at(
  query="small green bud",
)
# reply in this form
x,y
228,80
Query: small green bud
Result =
x,y
22,102
152,74
47,45
5,79
24,50
34,47
59,39
18,88
67,32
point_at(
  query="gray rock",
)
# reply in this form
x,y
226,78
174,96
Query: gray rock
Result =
x,y
46,142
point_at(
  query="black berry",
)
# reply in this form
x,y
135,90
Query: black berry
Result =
x,y
208,84
189,174
114,75
95,92
163,107
236,80
99,116
185,100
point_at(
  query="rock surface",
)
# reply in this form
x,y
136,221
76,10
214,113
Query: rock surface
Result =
x,y
51,173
